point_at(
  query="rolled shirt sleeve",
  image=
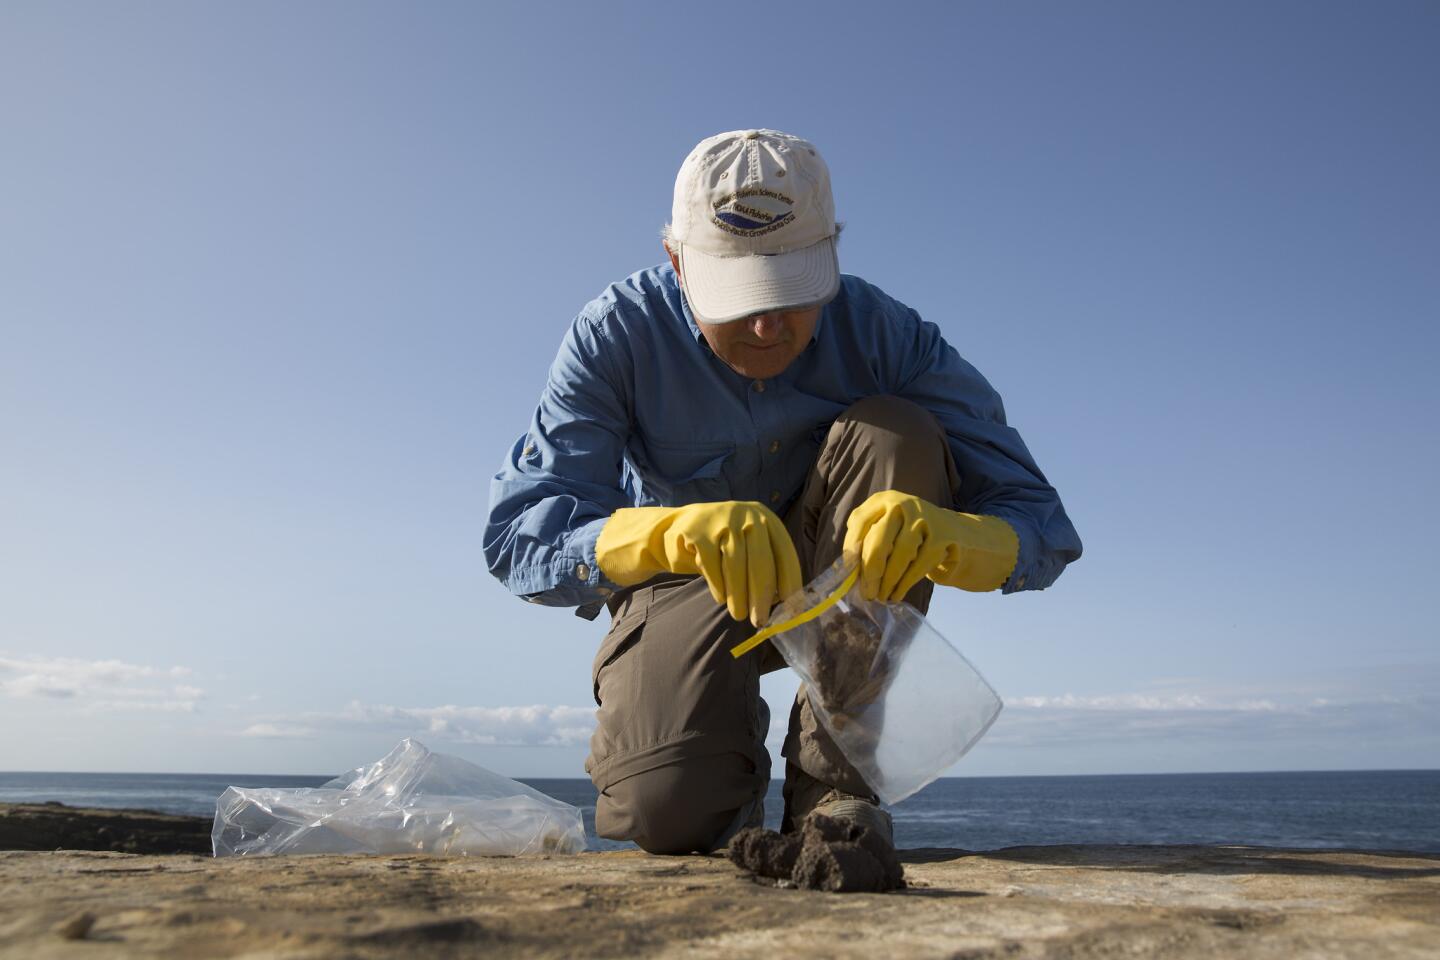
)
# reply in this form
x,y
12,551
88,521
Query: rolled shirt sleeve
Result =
x,y
561,480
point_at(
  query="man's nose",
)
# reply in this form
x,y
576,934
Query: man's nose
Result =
x,y
766,326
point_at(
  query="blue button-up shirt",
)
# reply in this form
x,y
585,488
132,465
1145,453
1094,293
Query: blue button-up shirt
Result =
x,y
638,411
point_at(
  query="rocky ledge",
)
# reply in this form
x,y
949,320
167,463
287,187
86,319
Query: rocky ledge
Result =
x,y
54,826
1020,902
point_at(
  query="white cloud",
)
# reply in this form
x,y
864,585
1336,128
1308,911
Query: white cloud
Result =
x,y
1032,720
1072,719
277,731
1140,702
99,685
144,706
530,726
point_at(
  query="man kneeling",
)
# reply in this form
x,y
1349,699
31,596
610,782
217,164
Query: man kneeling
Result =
x,y
715,431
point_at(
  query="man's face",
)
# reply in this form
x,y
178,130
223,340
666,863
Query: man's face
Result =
x,y
762,345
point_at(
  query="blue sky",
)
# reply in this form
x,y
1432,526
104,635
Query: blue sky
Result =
x,y
279,284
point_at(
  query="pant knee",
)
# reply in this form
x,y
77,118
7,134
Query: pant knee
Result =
x,y
888,442
891,424
878,443
680,808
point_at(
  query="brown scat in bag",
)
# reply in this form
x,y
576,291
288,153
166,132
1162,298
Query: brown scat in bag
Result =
x,y
850,671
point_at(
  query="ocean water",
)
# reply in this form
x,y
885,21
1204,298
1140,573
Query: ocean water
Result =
x,y
1377,810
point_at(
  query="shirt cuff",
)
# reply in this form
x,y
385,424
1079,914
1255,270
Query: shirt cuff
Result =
x,y
1031,571
572,579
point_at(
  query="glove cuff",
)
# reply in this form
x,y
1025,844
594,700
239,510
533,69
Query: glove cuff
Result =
x,y
988,551
625,548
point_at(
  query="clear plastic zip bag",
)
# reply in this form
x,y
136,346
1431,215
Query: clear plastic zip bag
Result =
x,y
898,699
411,801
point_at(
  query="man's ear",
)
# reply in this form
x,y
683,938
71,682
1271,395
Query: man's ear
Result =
x,y
674,260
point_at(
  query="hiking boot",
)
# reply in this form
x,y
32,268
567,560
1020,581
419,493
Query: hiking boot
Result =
x,y
860,811
805,795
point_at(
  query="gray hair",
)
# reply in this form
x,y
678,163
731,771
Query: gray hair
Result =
x,y
667,237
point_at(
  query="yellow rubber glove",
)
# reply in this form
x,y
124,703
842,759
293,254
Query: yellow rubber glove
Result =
x,y
741,549
901,538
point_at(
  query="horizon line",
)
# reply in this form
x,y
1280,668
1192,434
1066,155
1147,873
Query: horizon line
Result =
x,y
1007,776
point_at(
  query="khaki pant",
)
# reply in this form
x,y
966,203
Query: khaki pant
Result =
x,y
678,753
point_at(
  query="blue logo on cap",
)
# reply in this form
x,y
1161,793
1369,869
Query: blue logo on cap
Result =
x,y
753,212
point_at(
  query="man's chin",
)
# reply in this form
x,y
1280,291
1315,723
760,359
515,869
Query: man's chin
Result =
x,y
763,364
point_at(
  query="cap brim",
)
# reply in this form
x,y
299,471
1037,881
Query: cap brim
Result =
x,y
721,289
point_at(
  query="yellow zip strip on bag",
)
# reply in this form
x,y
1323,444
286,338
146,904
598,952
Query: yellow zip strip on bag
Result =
x,y
740,649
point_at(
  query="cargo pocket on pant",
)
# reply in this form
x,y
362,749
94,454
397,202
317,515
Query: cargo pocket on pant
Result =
x,y
623,636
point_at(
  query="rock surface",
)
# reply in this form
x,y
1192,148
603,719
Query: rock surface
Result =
x,y
50,826
1020,902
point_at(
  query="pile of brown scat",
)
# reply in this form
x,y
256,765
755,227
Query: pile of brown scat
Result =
x,y
827,854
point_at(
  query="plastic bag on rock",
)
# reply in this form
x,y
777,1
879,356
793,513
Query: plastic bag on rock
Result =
x,y
899,701
412,801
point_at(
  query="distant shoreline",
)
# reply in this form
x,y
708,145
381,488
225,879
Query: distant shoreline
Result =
x,y
53,826
1369,810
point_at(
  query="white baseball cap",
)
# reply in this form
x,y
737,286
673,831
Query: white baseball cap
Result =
x,y
755,224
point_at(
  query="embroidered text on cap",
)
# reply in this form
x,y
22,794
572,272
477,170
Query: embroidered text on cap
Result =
x,y
753,212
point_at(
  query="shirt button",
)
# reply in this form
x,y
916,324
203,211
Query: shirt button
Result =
x,y
774,446
582,571
1020,584
774,496
759,386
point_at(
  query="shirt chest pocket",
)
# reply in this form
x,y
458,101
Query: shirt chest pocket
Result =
x,y
676,472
